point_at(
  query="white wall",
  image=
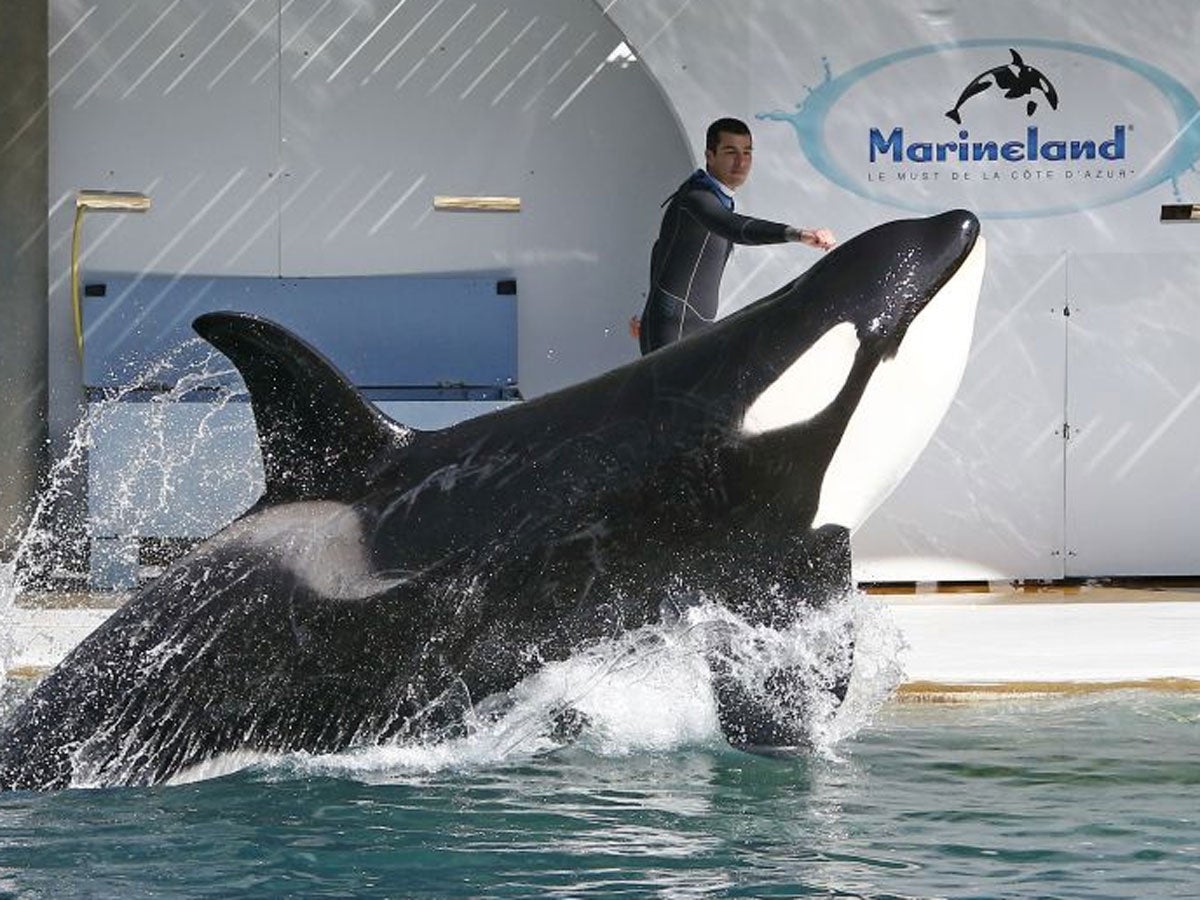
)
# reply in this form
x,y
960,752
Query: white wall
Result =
x,y
306,137
999,493
309,137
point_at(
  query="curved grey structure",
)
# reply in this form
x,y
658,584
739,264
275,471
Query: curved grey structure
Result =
x,y
387,578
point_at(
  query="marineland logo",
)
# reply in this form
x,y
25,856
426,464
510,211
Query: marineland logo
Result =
x,y
1030,137
1016,80
1029,148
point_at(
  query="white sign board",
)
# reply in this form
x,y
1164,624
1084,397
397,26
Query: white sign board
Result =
x,y
1067,141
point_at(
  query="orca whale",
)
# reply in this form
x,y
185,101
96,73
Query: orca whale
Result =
x,y
1016,79
388,579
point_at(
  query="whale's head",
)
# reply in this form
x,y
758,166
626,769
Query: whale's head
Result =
x,y
860,358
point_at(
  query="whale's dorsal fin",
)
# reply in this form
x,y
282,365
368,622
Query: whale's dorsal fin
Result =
x,y
320,440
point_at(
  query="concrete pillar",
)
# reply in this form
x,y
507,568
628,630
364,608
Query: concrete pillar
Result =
x,y
24,140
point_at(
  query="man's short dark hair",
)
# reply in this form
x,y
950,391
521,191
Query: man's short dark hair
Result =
x,y
730,126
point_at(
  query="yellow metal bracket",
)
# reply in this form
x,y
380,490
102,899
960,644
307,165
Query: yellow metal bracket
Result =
x,y
101,201
476,204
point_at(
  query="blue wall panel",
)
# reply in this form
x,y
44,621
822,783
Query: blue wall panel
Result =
x,y
381,331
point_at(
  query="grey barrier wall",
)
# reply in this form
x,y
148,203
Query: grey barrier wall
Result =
x,y
23,278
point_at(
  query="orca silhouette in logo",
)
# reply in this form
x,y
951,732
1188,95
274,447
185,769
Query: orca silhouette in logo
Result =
x,y
1016,80
388,582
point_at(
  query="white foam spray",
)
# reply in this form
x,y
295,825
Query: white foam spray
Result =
x,y
647,691
38,546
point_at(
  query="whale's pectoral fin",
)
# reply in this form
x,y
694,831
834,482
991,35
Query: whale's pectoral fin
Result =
x,y
320,439
769,714
775,717
776,710
567,724
772,708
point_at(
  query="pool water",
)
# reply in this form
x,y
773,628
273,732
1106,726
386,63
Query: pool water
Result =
x,y
1095,797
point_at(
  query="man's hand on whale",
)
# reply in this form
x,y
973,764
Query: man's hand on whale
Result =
x,y
821,238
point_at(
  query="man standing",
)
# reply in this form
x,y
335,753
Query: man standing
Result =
x,y
699,229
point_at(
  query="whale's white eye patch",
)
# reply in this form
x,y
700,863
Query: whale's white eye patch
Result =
x,y
808,385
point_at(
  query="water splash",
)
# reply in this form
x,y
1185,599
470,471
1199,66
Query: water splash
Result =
x,y
34,544
40,548
646,692
167,480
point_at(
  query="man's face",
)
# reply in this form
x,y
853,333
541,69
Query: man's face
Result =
x,y
730,162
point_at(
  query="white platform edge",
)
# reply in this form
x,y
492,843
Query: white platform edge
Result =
x,y
1005,643
976,640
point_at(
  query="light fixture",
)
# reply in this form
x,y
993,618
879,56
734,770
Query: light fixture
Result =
x,y
477,204
100,201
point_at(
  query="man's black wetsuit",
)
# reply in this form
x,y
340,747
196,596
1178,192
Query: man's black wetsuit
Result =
x,y
697,235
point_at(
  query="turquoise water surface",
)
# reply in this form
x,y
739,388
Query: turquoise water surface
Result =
x,y
1084,797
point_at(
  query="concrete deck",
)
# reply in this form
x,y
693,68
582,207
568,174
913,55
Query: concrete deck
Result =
x,y
1052,640
960,644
